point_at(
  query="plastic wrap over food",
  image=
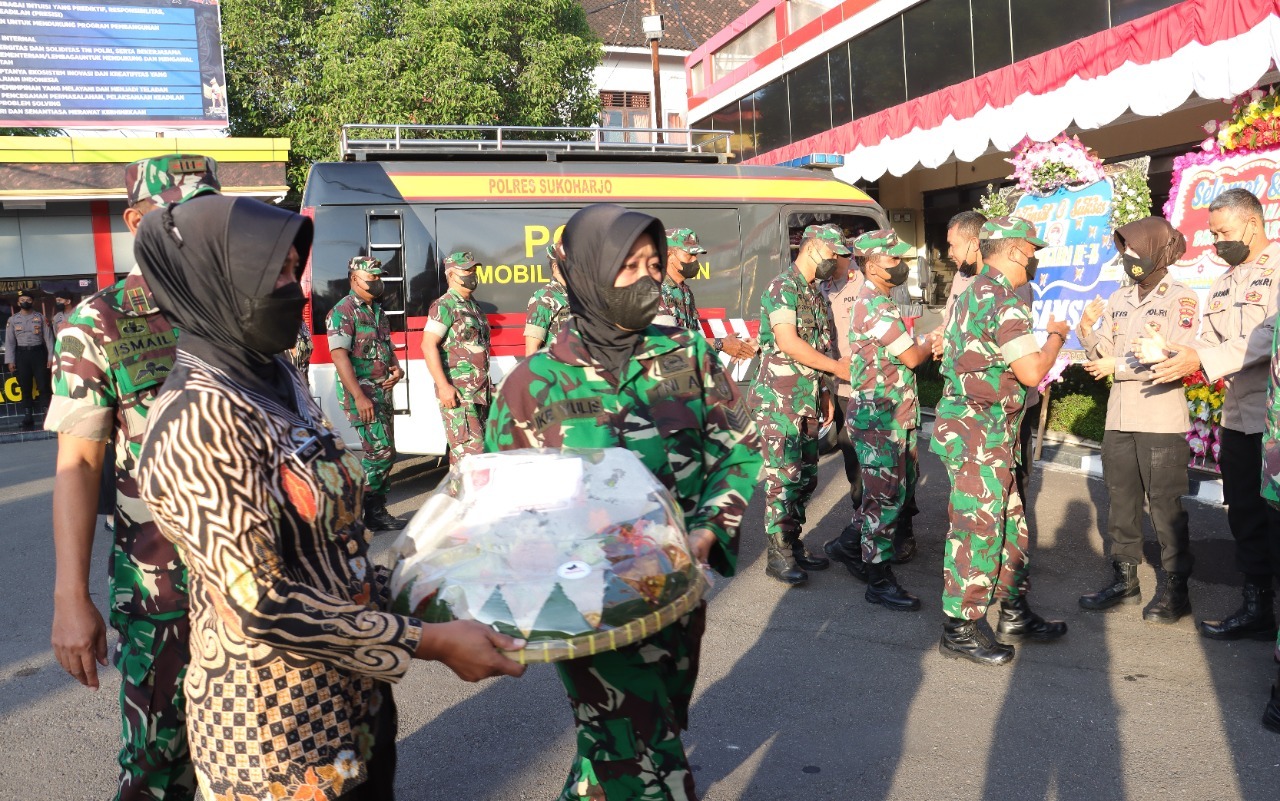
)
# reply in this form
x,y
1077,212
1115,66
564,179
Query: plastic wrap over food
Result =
x,y
576,552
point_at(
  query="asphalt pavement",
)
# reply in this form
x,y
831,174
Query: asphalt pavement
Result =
x,y
806,693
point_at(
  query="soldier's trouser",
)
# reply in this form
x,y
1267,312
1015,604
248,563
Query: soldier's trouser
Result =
x,y
33,373
986,552
1152,467
850,454
1254,523
464,429
630,706
790,471
1026,429
152,657
889,466
376,439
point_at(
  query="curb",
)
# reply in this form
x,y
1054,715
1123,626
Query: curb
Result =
x,y
7,437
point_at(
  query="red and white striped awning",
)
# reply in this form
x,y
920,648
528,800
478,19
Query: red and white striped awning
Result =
x,y
1215,49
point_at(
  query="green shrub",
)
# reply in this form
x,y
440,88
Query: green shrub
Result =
x,y
1084,416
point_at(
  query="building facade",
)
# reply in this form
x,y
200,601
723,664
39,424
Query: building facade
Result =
x,y
925,99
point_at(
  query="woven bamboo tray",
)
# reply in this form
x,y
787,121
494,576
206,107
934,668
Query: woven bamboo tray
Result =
x,y
541,651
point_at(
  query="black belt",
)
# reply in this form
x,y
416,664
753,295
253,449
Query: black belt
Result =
x,y
29,348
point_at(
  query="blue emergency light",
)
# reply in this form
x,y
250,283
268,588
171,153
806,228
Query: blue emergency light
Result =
x,y
815,161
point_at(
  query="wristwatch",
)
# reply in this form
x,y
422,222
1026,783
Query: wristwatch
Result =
x,y
718,344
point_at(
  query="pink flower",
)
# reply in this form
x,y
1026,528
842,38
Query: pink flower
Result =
x,y
1211,127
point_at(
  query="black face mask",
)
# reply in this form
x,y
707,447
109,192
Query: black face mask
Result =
x,y
968,268
690,268
633,307
1137,268
1233,252
898,273
375,287
60,306
824,268
1030,267
271,323
24,304
468,281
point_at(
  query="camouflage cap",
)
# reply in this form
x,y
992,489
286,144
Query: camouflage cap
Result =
x,y
1011,228
365,264
684,239
171,179
555,251
828,235
462,261
884,242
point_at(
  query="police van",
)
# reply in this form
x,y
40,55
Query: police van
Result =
x,y
411,195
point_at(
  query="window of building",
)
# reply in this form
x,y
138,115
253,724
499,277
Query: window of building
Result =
x,y
810,99
841,87
697,78
939,46
773,117
625,110
801,12
879,81
747,114
1039,27
992,45
762,35
1123,11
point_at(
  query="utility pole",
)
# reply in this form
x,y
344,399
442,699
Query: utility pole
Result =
x,y
652,26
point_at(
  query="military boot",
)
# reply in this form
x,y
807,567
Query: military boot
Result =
x,y
376,516
805,561
1123,589
1254,620
904,541
965,639
1271,716
1173,603
782,565
1018,623
846,550
883,588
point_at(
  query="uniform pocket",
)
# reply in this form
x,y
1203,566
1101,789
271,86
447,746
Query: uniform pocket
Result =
x,y
1170,456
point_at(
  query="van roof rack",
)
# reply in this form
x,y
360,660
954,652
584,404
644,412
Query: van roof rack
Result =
x,y
366,142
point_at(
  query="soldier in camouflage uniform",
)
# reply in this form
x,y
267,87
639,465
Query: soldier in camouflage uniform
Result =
x,y
363,357
458,330
788,391
990,356
112,357
676,304
663,395
1271,494
883,415
548,308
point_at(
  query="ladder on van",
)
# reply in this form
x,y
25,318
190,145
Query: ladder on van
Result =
x,y
373,142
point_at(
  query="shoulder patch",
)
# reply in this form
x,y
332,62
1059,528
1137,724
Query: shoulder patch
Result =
x,y
73,347
1253,296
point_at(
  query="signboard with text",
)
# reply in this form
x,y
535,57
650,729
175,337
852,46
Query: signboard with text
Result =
x,y
126,62
1080,261
1198,180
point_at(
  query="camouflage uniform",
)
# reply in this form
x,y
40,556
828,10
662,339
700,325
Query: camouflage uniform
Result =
x,y
785,396
547,313
301,353
1271,444
112,358
883,416
976,434
677,411
464,344
676,306
363,330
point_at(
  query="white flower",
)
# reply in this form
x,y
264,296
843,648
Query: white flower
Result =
x,y
346,764
1211,127
1256,95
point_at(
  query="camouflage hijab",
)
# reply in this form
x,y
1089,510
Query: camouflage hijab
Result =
x,y
596,242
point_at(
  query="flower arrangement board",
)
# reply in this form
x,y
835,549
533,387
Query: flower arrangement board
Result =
x,y
1080,261
576,552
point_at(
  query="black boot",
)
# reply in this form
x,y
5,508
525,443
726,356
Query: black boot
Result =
x,y
782,566
1018,623
805,561
965,639
376,516
904,541
1254,620
1271,716
883,588
849,554
1173,603
1123,589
